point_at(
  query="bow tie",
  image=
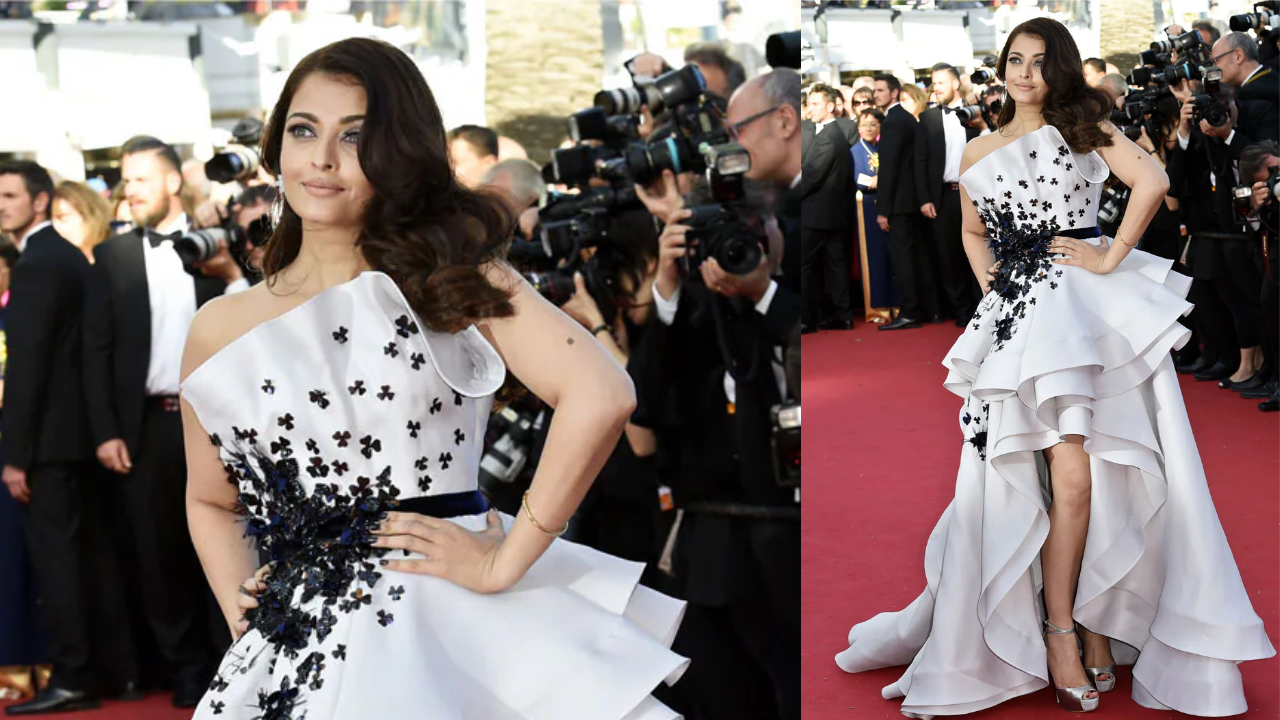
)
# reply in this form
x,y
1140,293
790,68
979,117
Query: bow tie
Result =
x,y
949,110
156,238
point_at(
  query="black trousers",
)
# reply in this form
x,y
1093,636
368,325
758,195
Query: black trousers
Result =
x,y
1239,290
1270,307
822,253
955,275
1212,322
173,592
76,576
912,270
745,653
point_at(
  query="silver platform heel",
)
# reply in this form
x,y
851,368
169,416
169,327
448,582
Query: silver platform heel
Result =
x,y
1071,699
1102,685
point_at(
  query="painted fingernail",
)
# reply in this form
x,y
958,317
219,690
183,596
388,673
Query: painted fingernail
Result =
x,y
383,562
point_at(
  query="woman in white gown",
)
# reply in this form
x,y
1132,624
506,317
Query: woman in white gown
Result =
x,y
334,417
1081,509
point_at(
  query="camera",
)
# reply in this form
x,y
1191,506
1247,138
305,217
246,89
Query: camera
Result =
x,y
504,459
1273,184
1208,108
784,421
1112,204
199,245
1185,41
716,232
967,113
1265,17
982,76
239,160
666,91
1241,203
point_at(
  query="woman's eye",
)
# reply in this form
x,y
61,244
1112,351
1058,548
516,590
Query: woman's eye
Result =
x,y
299,130
352,137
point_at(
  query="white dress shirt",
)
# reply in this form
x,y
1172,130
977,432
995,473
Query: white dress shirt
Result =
x,y
955,142
22,243
172,291
817,127
666,309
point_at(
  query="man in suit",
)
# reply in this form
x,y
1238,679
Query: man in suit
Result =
x,y
139,305
825,192
940,141
899,208
737,543
47,452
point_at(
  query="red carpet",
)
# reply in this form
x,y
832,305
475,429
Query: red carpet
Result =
x,y
882,448
155,707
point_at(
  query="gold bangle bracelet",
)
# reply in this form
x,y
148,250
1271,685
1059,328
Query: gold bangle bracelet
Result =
x,y
1121,239
524,503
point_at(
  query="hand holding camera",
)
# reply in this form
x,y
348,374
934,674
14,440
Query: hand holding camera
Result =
x,y
671,251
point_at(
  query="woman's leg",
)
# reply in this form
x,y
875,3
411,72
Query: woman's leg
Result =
x,y
1060,556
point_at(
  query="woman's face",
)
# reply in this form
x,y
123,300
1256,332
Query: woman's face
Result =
x,y
323,181
908,104
69,222
869,129
1022,71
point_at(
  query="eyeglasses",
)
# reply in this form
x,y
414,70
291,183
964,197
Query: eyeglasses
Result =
x,y
1215,57
735,128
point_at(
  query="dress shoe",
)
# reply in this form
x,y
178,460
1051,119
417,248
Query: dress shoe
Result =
x,y
1199,365
1217,372
1261,393
1253,382
902,323
835,324
54,700
1271,404
188,695
808,329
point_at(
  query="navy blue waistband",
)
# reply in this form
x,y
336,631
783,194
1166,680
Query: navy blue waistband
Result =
x,y
445,506
1082,233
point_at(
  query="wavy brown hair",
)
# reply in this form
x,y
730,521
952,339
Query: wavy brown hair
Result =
x,y
94,208
421,227
1070,105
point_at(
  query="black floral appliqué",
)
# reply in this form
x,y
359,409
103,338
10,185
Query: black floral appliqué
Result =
x,y
268,387
406,327
436,406
417,361
414,427
357,388
319,398
1021,247
391,349
386,393
340,335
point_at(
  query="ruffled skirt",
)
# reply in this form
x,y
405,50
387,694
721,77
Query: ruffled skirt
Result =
x,y
576,639
1088,355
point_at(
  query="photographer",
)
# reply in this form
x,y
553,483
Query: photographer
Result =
x,y
140,300
713,371
1256,112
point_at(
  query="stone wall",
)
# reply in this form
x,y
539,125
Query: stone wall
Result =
x,y
1126,30
545,62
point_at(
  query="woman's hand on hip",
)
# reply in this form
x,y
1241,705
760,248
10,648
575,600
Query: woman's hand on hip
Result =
x,y
1082,254
449,551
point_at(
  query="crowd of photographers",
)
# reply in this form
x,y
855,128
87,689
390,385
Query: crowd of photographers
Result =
x,y
1204,103
668,224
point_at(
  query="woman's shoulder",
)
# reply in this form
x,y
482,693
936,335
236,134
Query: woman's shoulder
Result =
x,y
221,321
980,147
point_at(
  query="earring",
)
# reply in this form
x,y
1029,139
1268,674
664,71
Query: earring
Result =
x,y
277,205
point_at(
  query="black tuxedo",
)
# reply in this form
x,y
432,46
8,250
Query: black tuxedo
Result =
x,y
1258,113
740,575
955,279
118,337
44,413
46,433
807,132
118,347
826,193
897,199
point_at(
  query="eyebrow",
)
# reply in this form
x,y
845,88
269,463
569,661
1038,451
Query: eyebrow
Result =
x,y
1020,54
314,119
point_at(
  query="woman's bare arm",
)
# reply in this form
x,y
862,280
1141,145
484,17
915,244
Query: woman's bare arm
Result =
x,y
1148,184
973,232
216,530
592,395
